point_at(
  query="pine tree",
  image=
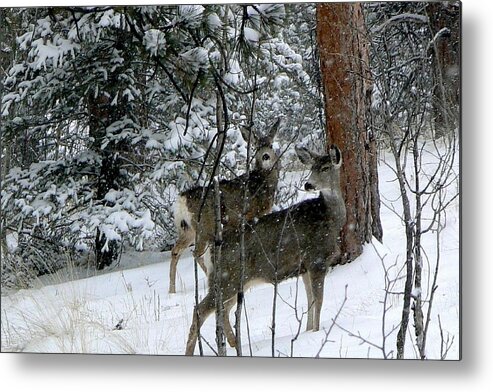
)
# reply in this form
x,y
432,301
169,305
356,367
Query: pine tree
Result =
x,y
116,110
347,87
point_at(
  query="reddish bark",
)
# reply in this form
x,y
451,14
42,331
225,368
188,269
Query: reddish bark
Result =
x,y
347,88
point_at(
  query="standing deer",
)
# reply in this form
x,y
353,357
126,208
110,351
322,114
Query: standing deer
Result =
x,y
261,189
300,240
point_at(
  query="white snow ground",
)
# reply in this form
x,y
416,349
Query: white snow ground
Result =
x,y
127,309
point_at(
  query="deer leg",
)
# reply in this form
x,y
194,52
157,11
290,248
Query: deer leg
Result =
x,y
228,330
175,256
185,239
200,314
309,296
317,279
198,253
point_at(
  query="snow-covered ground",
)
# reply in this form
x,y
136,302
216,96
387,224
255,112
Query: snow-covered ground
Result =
x,y
127,309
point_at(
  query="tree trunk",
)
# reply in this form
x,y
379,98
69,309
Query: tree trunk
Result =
x,y
218,236
106,254
445,29
100,117
347,84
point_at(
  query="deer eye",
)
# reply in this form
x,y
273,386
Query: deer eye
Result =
x,y
265,157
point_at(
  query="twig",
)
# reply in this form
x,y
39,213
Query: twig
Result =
x,y
334,322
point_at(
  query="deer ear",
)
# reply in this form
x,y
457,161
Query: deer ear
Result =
x,y
335,155
273,130
248,131
305,155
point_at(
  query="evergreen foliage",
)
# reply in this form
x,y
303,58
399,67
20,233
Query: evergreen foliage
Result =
x,y
108,112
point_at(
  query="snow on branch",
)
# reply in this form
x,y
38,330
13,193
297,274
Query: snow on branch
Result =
x,y
406,17
442,32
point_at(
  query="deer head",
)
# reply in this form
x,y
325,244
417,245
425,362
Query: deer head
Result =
x,y
265,156
325,169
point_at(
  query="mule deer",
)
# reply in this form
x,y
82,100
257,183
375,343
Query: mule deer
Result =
x,y
261,188
300,240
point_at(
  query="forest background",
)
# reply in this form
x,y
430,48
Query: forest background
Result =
x,y
475,118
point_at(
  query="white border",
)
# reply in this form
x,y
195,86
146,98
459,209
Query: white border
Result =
x,y
23,372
